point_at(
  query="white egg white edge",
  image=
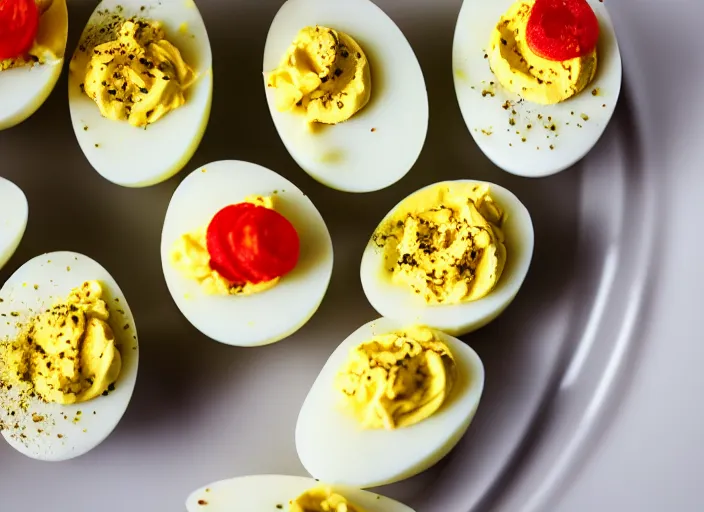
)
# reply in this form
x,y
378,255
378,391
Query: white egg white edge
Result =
x,y
100,416
17,210
12,80
453,418
380,144
397,301
265,492
488,121
206,313
110,146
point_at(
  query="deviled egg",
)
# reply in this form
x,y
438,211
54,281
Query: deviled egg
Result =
x,y
346,93
246,255
537,81
14,211
68,356
32,47
452,256
407,392
140,89
291,493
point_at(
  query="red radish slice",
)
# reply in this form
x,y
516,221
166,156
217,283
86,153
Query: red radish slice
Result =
x,y
560,30
19,22
266,244
219,248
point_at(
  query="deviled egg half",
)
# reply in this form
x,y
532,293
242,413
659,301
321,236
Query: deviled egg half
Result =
x,y
290,493
32,47
452,256
345,92
246,255
537,81
405,391
140,89
68,356
14,212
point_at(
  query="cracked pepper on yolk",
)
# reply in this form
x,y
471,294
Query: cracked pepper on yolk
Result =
x,y
322,499
523,72
445,243
68,353
191,257
325,73
398,379
49,41
139,77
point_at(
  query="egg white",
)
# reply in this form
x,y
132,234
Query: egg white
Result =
x,y
138,157
333,448
398,302
482,99
264,317
35,286
24,90
14,212
378,145
266,492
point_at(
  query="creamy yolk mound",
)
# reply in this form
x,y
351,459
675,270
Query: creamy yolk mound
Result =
x,y
325,73
191,257
50,39
523,72
445,243
139,77
398,379
67,353
322,499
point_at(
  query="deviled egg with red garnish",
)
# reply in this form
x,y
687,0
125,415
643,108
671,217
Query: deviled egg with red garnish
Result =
x,y
246,255
32,44
537,81
140,88
346,93
14,211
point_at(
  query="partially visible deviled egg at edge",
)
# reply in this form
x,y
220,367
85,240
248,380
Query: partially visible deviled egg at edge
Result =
x,y
27,78
513,129
451,255
351,432
289,493
14,212
246,255
141,103
64,311
366,70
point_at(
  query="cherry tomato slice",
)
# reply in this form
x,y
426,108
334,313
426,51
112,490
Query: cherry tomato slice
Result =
x,y
19,22
560,30
219,248
266,244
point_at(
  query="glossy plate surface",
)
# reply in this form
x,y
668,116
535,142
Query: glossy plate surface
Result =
x,y
203,412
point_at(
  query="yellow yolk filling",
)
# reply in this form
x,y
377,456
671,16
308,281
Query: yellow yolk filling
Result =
x,y
521,71
445,243
139,77
322,499
67,353
325,74
190,256
49,43
398,379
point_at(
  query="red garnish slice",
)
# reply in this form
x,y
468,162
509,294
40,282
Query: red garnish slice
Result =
x,y
251,243
266,244
218,245
560,30
19,22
